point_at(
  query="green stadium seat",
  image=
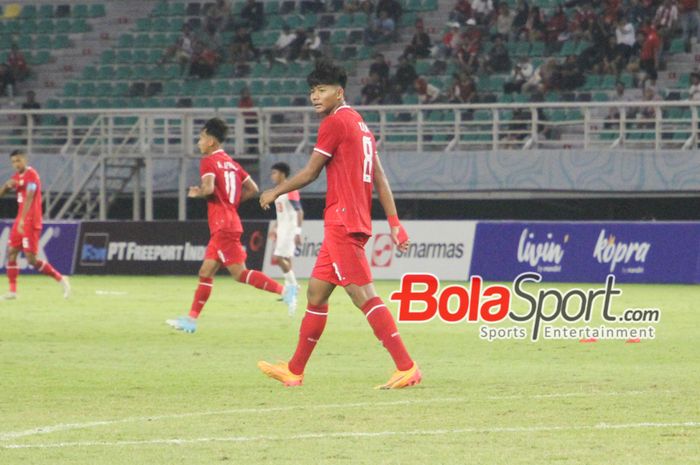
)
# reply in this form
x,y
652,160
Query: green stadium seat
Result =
x,y
28,26
97,10
201,102
272,7
123,73
25,42
61,41
124,56
161,25
143,25
267,101
429,5
46,26
45,11
70,89
41,57
218,102
175,25
600,97
105,73
79,11
140,73
120,89
257,87
172,88
222,87
273,87
63,26
161,9
28,12
103,89
80,26
142,41
89,72
125,41
339,37
177,9
677,46
42,41
141,56
107,57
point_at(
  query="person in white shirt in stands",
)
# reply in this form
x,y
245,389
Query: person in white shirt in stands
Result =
x,y
624,32
694,91
280,50
286,231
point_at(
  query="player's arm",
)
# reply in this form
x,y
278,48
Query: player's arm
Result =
x,y
306,176
386,199
205,189
8,186
249,189
27,205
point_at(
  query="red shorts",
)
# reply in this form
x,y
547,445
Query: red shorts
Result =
x,y
27,242
225,247
342,260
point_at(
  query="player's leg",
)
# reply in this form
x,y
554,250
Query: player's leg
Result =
x,y
312,326
12,271
382,322
30,246
284,251
207,271
352,268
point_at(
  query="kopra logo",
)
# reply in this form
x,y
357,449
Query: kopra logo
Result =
x,y
383,251
611,250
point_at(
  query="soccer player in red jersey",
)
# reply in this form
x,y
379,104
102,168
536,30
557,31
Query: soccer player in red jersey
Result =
x,y
347,149
225,185
27,227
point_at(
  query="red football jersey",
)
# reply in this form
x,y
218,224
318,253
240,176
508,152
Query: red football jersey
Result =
x,y
350,146
22,181
222,205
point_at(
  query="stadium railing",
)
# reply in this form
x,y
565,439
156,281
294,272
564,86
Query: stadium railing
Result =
x,y
653,125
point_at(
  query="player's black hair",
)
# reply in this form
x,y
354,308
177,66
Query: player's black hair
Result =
x,y
326,72
282,167
18,152
216,127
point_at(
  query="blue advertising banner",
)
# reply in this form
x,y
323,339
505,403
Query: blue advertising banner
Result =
x,y
56,244
635,252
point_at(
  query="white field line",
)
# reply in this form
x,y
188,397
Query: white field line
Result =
x,y
93,424
356,434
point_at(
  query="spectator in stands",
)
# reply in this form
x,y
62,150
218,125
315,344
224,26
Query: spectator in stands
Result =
x,y
649,56
613,58
280,51
420,43
497,60
405,74
521,73
666,21
482,10
462,89
535,27
450,42
556,25
381,68
18,64
582,23
639,11
461,12
394,95
522,12
504,21
241,49
312,45
570,75
367,7
352,6
297,44
381,30
694,91
690,21
31,104
619,96
468,52
373,91
252,15
427,93
7,81
204,61
648,113
536,81
310,6
181,50
391,7
216,17
624,33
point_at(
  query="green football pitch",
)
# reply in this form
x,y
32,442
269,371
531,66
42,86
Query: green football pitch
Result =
x,y
100,379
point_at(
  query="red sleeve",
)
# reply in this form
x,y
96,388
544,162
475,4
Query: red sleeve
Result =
x,y
294,195
330,134
206,166
32,176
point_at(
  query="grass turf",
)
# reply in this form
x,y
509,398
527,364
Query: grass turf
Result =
x,y
170,398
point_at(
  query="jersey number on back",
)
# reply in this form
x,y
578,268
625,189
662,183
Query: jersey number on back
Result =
x,y
230,177
367,148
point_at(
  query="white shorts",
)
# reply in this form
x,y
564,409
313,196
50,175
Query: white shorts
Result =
x,y
285,247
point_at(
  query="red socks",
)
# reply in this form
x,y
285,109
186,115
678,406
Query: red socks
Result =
x,y
381,321
12,273
201,295
48,270
311,329
261,281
